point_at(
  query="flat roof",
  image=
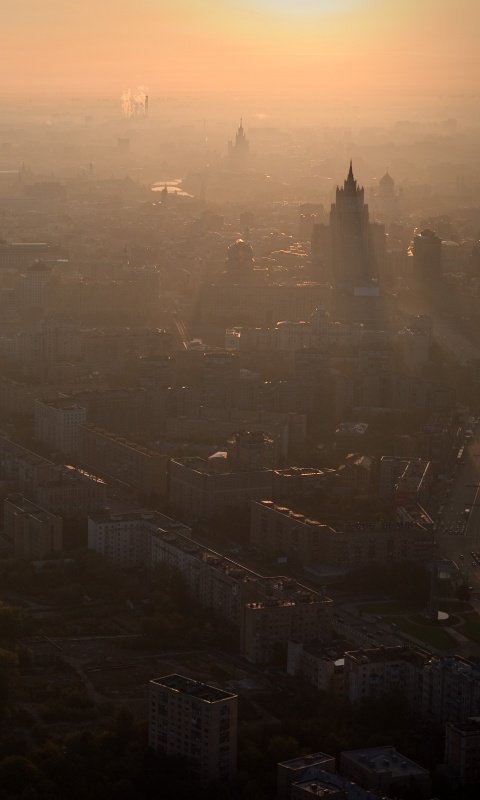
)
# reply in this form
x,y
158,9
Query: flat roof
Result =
x,y
306,761
201,691
384,759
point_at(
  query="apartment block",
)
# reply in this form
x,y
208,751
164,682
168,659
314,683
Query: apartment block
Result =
x,y
267,611
70,492
200,488
33,533
57,423
462,750
439,689
197,721
282,611
126,539
382,542
299,482
112,455
370,673
322,665
383,769
277,532
25,469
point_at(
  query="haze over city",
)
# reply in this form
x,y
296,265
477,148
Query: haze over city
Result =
x,y
240,400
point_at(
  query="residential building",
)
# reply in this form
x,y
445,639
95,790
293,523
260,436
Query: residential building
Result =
x,y
282,610
383,769
25,469
57,424
279,533
201,488
197,721
462,750
372,672
351,437
71,492
267,611
320,664
355,474
290,771
126,539
115,457
439,689
299,482
252,450
33,533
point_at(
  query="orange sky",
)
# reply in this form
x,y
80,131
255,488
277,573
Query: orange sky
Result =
x,y
270,46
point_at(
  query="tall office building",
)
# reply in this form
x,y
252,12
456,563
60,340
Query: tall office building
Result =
x,y
197,721
349,234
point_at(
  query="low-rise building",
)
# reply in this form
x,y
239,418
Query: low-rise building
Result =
x,y
290,771
383,769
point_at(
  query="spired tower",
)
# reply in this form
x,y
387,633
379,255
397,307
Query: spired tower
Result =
x,y
349,235
238,152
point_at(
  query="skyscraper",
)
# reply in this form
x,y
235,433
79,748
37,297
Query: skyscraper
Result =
x,y
349,235
238,152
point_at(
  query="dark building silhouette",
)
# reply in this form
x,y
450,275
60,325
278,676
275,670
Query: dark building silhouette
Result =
x,y
240,261
349,235
238,151
427,255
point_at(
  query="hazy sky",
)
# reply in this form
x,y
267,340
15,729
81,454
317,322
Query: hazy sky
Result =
x,y
315,47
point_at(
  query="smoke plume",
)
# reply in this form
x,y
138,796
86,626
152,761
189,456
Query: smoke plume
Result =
x,y
133,103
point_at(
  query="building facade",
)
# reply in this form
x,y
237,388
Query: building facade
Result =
x,y
197,721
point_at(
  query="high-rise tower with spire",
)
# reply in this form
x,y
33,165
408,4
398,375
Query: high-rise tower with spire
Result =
x,y
349,231
238,152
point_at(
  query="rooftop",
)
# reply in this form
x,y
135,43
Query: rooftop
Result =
x,y
384,759
306,761
201,691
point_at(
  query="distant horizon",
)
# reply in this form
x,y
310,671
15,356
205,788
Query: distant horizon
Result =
x,y
317,49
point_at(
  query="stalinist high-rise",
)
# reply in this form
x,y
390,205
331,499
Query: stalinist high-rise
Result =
x,y
349,236
349,254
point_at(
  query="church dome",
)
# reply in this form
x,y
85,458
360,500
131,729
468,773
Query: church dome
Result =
x,y
387,180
